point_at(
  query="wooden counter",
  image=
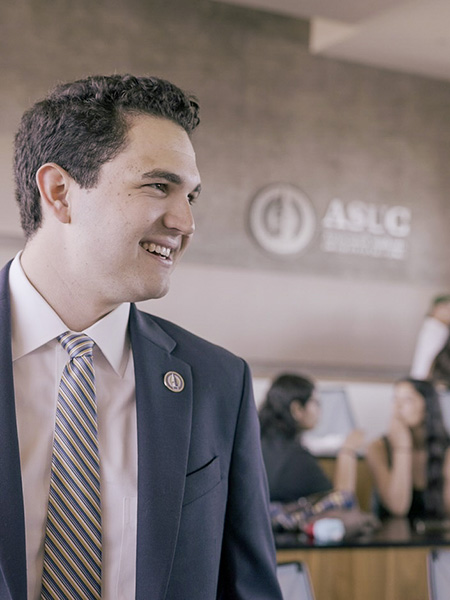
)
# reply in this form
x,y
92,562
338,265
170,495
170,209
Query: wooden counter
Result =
x,y
391,564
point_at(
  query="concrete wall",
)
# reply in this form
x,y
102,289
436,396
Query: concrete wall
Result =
x,y
270,113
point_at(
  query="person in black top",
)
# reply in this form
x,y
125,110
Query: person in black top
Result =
x,y
410,465
290,407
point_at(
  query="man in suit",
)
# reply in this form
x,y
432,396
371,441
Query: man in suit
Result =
x,y
105,176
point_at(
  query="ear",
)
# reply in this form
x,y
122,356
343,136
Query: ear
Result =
x,y
53,183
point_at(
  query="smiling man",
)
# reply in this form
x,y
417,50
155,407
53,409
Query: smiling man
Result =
x,y
129,448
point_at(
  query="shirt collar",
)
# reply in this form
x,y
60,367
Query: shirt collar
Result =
x,y
34,322
110,334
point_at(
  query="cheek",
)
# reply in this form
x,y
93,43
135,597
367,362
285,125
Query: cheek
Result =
x,y
421,414
314,417
414,414
403,412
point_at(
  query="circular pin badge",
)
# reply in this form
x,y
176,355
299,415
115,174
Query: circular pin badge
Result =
x,y
173,381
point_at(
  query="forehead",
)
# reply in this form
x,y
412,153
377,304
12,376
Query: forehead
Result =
x,y
152,144
147,132
406,390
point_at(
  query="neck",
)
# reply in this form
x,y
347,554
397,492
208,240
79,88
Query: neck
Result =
x,y
74,306
418,437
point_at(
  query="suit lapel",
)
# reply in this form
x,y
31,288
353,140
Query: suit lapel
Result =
x,y
164,428
12,526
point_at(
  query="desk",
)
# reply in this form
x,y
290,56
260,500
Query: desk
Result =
x,y
390,564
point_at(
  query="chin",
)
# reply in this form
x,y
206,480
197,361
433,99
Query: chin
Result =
x,y
154,293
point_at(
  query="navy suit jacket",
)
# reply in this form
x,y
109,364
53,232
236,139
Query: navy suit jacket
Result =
x,y
202,528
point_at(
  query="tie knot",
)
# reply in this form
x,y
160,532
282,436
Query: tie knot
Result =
x,y
76,344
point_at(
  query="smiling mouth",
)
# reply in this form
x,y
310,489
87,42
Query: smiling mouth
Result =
x,y
157,250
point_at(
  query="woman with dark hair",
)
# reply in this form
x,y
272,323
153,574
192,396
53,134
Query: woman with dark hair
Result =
x,y
410,465
290,407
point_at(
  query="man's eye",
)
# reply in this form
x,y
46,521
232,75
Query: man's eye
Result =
x,y
162,187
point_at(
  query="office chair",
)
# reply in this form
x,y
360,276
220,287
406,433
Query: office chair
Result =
x,y
438,566
294,581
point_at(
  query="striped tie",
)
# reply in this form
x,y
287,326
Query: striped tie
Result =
x,y
73,552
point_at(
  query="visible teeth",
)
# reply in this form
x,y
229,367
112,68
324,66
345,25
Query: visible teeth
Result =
x,y
156,248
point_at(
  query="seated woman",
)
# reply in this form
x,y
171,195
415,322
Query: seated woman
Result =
x,y
291,406
410,466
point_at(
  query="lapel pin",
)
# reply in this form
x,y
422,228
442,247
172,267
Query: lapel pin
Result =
x,y
173,381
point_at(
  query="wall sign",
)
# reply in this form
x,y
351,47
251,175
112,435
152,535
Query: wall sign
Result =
x,y
366,229
282,219
284,222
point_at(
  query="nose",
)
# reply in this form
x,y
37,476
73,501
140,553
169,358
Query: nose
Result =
x,y
179,216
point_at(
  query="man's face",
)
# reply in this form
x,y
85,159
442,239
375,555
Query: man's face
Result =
x,y
126,234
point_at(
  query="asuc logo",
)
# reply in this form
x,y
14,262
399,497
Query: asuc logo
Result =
x,y
283,222
282,219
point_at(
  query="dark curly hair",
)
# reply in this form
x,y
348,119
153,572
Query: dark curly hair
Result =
x,y
275,414
437,442
83,124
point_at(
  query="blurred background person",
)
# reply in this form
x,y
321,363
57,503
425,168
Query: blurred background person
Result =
x,y
291,407
431,358
410,465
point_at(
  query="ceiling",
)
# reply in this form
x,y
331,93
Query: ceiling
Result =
x,y
403,35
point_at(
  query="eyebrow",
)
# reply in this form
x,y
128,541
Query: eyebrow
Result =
x,y
168,176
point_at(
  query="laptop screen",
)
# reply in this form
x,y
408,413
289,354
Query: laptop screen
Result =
x,y
336,421
294,581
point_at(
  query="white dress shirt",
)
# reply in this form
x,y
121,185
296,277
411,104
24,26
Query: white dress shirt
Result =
x,y
38,362
431,339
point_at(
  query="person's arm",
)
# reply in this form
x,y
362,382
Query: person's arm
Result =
x,y
248,562
393,483
347,462
430,341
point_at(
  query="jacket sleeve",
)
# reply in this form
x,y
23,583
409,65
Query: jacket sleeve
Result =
x,y
248,564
